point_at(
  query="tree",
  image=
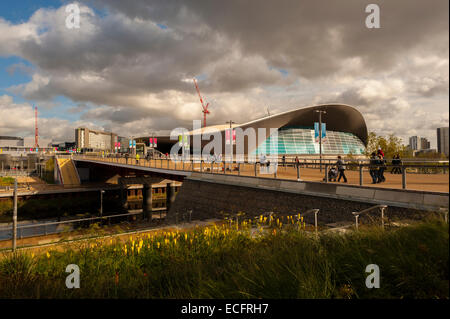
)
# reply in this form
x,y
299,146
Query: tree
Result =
x,y
391,145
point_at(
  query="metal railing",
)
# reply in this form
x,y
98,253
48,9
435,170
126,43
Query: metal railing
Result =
x,y
213,167
382,208
52,227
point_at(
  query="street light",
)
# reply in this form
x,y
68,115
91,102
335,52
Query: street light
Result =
x,y
320,136
231,144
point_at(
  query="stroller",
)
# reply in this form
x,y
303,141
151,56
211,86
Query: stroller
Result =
x,y
332,175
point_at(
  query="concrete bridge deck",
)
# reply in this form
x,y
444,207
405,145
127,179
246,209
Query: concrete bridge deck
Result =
x,y
414,181
384,193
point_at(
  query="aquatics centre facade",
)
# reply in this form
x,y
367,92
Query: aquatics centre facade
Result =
x,y
346,132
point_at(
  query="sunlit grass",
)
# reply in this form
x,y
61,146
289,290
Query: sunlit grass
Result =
x,y
262,257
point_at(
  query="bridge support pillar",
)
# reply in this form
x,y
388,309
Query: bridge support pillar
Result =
x,y
123,197
147,204
170,195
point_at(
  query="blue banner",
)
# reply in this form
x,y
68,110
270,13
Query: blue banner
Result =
x,y
316,132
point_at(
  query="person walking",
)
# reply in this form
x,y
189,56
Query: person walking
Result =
x,y
137,159
297,162
262,161
373,167
382,167
341,169
283,160
396,162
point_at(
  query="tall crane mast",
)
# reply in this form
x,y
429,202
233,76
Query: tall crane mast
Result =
x,y
204,107
36,132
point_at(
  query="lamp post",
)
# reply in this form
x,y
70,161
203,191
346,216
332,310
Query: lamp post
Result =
x,y
14,239
231,144
320,137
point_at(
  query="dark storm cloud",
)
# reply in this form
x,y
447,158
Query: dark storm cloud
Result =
x,y
310,38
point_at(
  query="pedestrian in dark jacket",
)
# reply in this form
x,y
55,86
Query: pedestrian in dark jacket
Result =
x,y
382,167
373,167
341,169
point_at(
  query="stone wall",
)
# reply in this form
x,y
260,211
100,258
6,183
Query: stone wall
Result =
x,y
212,200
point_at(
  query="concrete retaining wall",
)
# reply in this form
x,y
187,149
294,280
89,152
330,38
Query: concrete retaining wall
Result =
x,y
210,195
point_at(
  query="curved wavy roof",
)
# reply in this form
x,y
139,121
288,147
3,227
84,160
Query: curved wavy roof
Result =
x,y
338,117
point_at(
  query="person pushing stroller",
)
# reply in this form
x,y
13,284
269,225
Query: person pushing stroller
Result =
x,y
332,174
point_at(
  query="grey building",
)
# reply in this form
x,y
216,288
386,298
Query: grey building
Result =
x,y
442,140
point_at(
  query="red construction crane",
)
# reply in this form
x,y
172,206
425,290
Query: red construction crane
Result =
x,y
36,134
204,107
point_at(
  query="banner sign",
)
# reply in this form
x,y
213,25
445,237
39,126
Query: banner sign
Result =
x,y
234,137
227,136
324,132
316,132
155,142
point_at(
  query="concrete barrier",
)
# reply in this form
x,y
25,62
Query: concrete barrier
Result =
x,y
392,197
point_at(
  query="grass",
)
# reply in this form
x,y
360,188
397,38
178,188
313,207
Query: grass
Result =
x,y
6,181
280,260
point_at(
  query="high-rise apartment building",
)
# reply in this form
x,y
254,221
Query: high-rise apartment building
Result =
x,y
442,140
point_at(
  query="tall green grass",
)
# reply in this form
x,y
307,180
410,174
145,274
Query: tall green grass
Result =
x,y
223,262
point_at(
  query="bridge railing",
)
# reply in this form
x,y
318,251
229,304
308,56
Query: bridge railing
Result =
x,y
48,228
382,209
285,170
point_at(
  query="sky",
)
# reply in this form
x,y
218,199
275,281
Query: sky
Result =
x,y
129,66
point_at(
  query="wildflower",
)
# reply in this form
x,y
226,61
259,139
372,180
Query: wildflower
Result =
x,y
158,244
48,254
32,255
185,236
175,241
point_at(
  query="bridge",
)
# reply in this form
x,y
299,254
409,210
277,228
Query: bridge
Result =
x,y
209,188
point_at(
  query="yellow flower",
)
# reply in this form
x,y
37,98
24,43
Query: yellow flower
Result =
x,y
175,241
158,244
185,236
48,254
